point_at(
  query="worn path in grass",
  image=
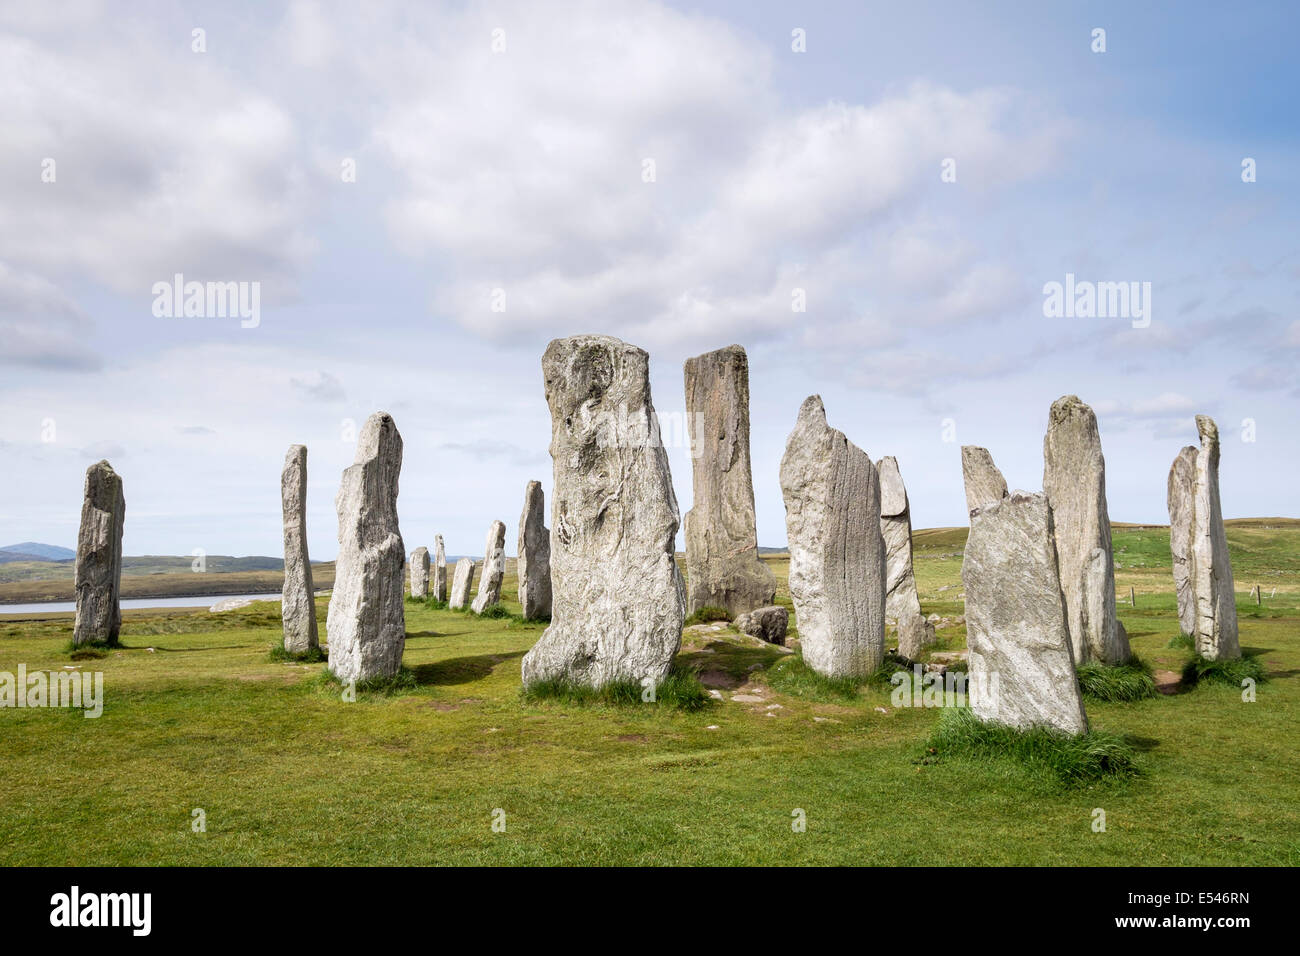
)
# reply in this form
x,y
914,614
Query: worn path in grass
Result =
x,y
287,772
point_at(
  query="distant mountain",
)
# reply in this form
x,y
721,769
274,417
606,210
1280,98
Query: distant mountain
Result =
x,y
35,551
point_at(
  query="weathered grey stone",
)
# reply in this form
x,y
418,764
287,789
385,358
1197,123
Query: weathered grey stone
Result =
x,y
1074,480
420,572
461,582
1021,670
766,623
617,596
984,483
837,552
298,596
98,570
902,603
1204,554
439,569
1182,498
534,561
367,614
721,539
494,568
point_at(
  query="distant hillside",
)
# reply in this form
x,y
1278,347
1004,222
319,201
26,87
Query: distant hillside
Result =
x,y
35,551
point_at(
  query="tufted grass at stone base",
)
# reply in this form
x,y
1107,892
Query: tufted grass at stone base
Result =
x,y
1116,682
1182,641
403,681
279,654
1232,672
793,676
680,690
1069,759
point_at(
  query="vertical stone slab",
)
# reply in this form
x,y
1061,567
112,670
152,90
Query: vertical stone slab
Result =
x,y
984,483
534,560
461,582
617,597
298,596
1182,503
902,603
420,572
494,568
1212,584
98,570
1074,480
367,614
439,570
1021,669
837,551
721,538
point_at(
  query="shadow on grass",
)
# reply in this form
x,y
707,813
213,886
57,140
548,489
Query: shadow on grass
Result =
x,y
460,670
722,663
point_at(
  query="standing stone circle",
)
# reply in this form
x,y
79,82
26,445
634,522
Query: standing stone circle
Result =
x,y
420,572
721,538
1074,480
298,596
534,561
439,569
98,570
837,551
494,568
1200,544
1021,669
902,603
461,582
984,483
617,596
367,615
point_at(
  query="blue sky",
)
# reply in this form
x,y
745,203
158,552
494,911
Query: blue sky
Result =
x,y
521,169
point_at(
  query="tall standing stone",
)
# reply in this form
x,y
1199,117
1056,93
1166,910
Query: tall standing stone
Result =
x,y
1200,546
420,572
298,596
837,551
984,483
1021,670
902,603
617,596
461,582
1182,494
98,571
721,538
367,614
534,562
494,568
439,569
1074,480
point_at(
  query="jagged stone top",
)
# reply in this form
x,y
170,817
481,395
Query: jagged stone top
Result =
x,y
893,493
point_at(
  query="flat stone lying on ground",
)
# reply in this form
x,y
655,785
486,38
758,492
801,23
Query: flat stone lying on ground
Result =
x,y
461,582
902,603
1021,670
617,596
367,614
298,596
420,572
494,568
837,552
721,538
534,561
98,568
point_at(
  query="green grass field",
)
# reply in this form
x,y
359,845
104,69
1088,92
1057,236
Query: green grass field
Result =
x,y
196,716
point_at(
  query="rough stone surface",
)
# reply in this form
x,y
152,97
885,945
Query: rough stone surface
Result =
x,y
1200,547
534,562
721,537
766,623
617,596
837,552
494,568
439,569
1018,640
298,596
984,483
1074,480
461,582
1182,484
367,615
420,572
902,603
98,570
